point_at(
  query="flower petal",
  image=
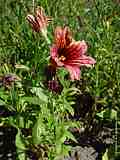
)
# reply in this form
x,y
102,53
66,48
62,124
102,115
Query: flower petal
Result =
x,y
83,47
87,61
82,61
62,37
76,49
54,56
39,21
41,17
74,72
53,51
32,20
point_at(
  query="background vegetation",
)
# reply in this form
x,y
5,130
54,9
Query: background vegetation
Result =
x,y
95,21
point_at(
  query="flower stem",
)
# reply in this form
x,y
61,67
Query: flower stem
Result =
x,y
44,33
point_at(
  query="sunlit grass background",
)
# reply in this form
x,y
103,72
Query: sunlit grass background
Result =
x,y
95,21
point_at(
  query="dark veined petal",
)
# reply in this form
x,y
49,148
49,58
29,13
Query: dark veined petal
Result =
x,y
31,19
41,17
76,49
39,21
54,51
74,71
87,61
82,61
54,56
62,37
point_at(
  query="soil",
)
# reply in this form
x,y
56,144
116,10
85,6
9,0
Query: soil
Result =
x,y
7,143
92,145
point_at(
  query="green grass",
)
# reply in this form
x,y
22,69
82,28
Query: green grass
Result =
x,y
95,21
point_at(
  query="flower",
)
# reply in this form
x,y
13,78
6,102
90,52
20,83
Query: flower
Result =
x,y
68,53
8,79
54,86
52,82
39,21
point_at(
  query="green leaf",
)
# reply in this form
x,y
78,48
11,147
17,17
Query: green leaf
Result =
x,y
23,67
21,156
105,156
69,135
108,113
113,114
40,93
38,131
2,102
19,141
32,100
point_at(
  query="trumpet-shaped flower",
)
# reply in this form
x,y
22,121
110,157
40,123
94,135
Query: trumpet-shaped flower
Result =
x,y
39,21
68,53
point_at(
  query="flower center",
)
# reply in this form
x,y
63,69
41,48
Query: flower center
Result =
x,y
62,58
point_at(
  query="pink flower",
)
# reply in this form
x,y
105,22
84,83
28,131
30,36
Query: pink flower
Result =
x,y
68,53
39,21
